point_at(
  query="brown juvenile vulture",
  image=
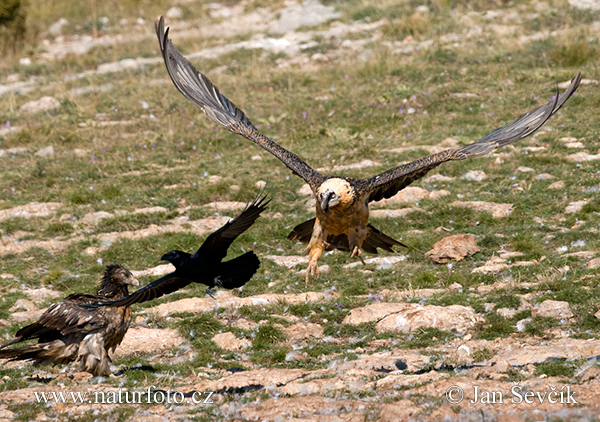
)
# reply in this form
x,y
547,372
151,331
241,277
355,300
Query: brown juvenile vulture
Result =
x,y
205,266
70,332
342,206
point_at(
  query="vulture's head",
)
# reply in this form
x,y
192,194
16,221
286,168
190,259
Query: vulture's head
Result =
x,y
118,274
335,195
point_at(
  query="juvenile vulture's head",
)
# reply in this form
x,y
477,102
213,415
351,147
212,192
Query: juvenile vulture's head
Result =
x,y
117,274
335,194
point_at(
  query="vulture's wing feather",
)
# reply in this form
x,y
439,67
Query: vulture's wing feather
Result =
x,y
198,89
387,184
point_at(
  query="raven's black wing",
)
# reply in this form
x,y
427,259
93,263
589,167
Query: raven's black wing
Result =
x,y
214,248
164,285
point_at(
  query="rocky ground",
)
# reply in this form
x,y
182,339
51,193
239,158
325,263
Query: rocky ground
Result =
x,y
490,315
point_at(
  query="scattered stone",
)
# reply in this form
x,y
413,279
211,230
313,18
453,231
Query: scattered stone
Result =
x,y
260,184
41,294
46,152
25,304
140,340
307,13
95,217
412,194
557,185
225,299
552,309
229,341
497,210
361,165
305,190
593,263
575,207
580,157
304,330
392,213
453,248
410,317
214,179
174,13
544,176
157,271
226,205
401,410
295,356
56,28
33,209
383,262
475,175
150,210
43,104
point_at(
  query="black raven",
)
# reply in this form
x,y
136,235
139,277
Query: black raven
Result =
x,y
205,266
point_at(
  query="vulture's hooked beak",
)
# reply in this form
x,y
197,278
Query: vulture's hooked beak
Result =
x,y
328,199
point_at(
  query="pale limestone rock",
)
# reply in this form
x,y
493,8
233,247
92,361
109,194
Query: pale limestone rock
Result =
x,y
46,152
25,304
33,209
229,341
305,190
453,248
553,309
392,213
475,175
226,206
497,210
41,294
401,410
43,104
304,330
411,194
594,263
557,185
575,207
95,217
410,317
148,340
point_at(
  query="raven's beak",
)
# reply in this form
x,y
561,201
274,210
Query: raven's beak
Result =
x,y
165,257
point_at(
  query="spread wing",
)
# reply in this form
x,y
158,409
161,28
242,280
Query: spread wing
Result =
x,y
164,285
389,183
65,318
214,248
199,90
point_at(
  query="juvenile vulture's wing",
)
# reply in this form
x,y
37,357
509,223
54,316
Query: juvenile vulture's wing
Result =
x,y
164,285
389,183
214,248
199,90
64,318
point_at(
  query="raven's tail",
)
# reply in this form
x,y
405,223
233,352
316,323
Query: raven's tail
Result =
x,y
238,271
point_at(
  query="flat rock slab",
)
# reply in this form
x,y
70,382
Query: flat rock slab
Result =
x,y
148,340
227,300
31,210
410,317
565,348
453,248
497,210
